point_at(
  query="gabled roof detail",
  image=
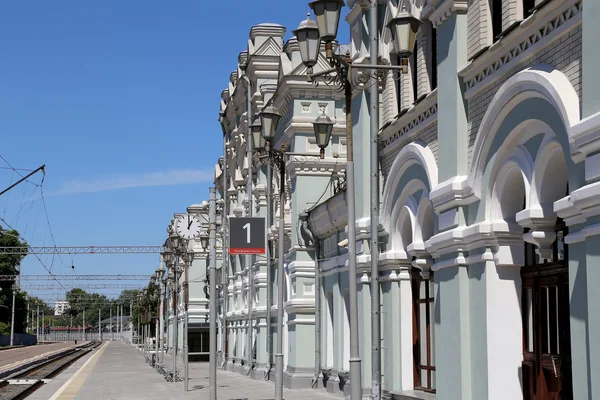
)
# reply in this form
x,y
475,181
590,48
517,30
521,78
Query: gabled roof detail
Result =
x,y
269,48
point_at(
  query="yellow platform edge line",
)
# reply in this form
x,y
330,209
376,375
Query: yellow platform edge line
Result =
x,y
70,388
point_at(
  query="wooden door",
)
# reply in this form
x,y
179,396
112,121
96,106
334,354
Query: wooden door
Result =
x,y
546,324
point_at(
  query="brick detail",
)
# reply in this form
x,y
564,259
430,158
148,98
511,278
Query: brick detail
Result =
x,y
427,136
406,92
423,58
563,54
512,11
479,26
388,108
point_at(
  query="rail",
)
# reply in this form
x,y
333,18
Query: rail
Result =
x,y
25,379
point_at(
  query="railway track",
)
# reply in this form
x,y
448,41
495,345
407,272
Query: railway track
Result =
x,y
21,383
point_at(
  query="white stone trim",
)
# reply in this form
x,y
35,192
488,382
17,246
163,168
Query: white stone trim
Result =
x,y
536,32
444,10
539,81
418,117
413,153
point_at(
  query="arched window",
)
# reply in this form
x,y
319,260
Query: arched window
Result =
x,y
546,320
496,14
423,331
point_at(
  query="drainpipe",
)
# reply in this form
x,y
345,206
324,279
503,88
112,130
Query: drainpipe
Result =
x,y
269,365
225,257
315,380
374,189
249,258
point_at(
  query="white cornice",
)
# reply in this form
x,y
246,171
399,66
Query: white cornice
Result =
x,y
419,117
444,10
535,33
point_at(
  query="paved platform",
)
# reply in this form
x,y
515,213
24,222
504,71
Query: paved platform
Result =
x,y
10,358
117,371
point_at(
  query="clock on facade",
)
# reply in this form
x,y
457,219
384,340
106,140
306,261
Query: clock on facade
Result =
x,y
188,227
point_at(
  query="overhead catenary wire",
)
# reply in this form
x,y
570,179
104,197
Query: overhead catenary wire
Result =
x,y
36,256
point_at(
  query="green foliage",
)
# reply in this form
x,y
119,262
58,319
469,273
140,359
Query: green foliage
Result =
x,y
4,328
9,264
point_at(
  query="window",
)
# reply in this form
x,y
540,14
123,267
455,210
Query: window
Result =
x,y
399,86
414,71
496,10
433,65
423,332
528,7
546,320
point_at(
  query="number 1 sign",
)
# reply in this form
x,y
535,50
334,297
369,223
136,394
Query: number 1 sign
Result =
x,y
247,236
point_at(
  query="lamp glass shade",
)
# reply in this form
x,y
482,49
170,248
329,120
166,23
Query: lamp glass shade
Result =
x,y
190,256
204,240
323,127
404,29
327,13
269,119
175,239
308,41
257,137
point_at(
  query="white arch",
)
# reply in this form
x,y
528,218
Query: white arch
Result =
x,y
413,153
424,229
404,226
500,182
539,81
550,163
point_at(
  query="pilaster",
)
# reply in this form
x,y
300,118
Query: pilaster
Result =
x,y
452,332
581,212
591,59
451,21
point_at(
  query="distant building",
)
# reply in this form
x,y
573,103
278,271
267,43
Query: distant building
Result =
x,y
60,307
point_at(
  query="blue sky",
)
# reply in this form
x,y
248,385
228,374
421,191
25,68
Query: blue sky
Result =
x,y
119,98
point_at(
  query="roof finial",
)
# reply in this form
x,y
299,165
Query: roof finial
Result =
x,y
403,6
308,15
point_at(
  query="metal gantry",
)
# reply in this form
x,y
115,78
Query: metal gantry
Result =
x,y
81,250
27,278
87,286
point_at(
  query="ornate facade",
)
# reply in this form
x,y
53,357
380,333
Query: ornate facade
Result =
x,y
488,153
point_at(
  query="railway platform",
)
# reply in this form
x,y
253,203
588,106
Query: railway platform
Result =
x,y
117,371
14,357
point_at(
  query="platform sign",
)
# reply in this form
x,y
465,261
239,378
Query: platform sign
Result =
x,y
247,236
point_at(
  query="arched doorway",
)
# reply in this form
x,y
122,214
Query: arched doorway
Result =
x,y
546,323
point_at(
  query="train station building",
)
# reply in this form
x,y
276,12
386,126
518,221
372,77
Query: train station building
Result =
x,y
488,156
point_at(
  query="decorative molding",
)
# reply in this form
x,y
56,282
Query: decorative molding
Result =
x,y
503,55
444,10
537,81
416,118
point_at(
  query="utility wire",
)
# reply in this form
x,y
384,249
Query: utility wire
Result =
x,y
17,171
48,219
36,256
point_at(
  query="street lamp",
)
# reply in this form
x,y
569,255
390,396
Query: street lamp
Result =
x,y
308,40
269,119
160,273
404,28
204,238
276,158
175,239
327,13
257,137
323,127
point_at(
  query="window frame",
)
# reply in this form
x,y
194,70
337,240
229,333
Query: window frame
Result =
x,y
429,301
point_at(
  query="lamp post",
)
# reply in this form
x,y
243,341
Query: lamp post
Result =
x,y
189,260
160,273
212,244
309,35
263,138
12,317
175,242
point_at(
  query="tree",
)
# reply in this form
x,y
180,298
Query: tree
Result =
x,y
9,264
